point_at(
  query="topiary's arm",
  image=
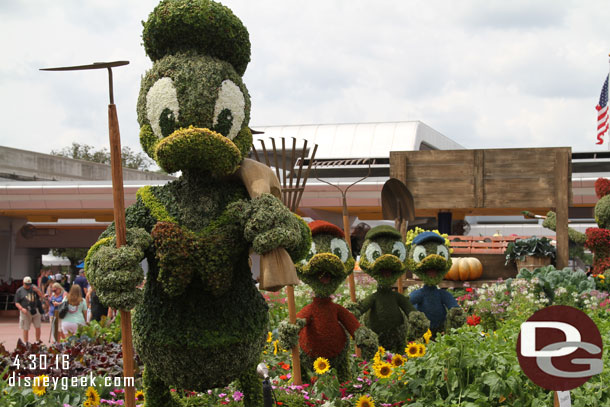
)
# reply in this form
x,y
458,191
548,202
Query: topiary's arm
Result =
x,y
455,318
551,223
116,272
367,341
268,224
288,333
362,306
418,325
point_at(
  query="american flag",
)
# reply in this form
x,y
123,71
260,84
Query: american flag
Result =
x,y
602,113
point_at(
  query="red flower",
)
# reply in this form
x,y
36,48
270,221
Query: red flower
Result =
x,y
602,187
473,320
468,289
284,377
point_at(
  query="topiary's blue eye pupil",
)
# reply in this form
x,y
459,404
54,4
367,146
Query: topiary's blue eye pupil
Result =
x,y
167,122
376,254
337,252
225,121
422,256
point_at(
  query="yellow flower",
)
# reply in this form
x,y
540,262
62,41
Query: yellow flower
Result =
x,y
275,346
321,365
92,396
427,336
87,403
412,350
398,360
379,354
38,386
139,395
601,276
365,401
269,337
421,349
383,370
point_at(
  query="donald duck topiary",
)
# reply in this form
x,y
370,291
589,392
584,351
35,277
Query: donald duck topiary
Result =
x,y
323,327
428,258
200,321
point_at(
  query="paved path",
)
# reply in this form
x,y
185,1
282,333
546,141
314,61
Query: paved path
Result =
x,y
10,332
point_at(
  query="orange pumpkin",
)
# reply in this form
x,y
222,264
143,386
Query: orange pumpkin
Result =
x,y
464,268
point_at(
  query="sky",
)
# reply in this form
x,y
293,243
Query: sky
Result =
x,y
485,73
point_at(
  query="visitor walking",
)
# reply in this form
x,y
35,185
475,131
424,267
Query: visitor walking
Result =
x,y
82,282
55,299
28,300
77,311
97,308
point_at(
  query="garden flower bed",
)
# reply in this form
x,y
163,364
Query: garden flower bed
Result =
x,y
475,365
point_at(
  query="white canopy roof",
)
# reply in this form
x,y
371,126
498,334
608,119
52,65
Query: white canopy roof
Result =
x,y
361,140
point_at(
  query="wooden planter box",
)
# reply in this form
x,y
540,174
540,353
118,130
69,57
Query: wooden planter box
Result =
x,y
532,262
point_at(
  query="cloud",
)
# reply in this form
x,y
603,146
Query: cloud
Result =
x,y
484,73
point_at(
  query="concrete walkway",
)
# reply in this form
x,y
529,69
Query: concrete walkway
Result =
x,y
10,332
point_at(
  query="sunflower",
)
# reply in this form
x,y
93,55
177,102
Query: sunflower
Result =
x,y
383,370
321,365
427,336
398,360
365,401
421,350
87,403
92,396
412,350
38,385
139,395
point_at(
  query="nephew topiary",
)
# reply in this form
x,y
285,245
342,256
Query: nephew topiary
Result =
x,y
201,311
322,327
428,258
388,313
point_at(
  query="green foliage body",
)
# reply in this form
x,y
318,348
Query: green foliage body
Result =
x,y
389,314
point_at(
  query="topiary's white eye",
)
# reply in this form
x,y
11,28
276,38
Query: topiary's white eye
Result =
x,y
419,253
229,111
372,252
339,248
162,107
443,251
310,254
399,250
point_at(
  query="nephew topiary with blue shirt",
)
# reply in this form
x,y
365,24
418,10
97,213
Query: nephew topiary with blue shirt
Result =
x,y
429,259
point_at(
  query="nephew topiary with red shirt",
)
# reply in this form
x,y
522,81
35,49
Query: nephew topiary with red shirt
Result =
x,y
322,327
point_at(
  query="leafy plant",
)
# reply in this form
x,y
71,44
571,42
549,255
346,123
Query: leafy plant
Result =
x,y
105,330
559,285
534,246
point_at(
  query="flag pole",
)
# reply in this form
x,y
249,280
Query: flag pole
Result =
x,y
609,80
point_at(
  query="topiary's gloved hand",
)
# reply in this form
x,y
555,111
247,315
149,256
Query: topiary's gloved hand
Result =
x,y
367,341
455,318
288,333
115,273
418,325
268,224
